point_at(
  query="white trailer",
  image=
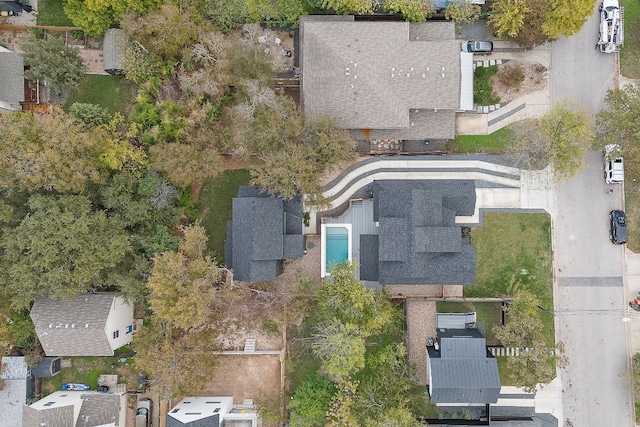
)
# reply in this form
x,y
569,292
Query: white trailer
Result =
x,y
611,26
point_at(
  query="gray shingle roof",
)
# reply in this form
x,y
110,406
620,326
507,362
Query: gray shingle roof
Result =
x,y
58,417
419,242
99,409
264,231
210,421
12,82
398,79
13,395
113,50
462,370
369,255
73,327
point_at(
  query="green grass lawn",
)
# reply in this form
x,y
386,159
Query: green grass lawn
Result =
x,y
51,12
86,370
482,88
632,209
630,53
110,92
493,143
215,203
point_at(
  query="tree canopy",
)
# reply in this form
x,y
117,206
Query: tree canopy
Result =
x,y
411,10
95,16
562,137
51,60
537,360
62,248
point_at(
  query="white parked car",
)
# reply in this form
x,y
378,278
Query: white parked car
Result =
x,y
613,164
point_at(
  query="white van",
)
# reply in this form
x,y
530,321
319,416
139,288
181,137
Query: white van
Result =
x,y
143,413
613,164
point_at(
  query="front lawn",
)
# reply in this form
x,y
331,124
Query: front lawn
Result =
x,y
51,12
632,209
630,53
215,203
110,92
482,88
494,143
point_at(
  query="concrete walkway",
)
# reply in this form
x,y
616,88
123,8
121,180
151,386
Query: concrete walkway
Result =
x,y
531,105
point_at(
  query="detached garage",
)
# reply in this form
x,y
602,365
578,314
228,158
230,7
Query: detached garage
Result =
x,y
113,50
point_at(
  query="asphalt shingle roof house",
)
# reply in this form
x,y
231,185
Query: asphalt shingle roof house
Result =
x,y
460,369
12,82
210,411
418,242
264,231
382,80
76,409
91,324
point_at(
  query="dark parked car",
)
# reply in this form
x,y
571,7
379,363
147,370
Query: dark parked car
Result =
x,y
478,47
618,232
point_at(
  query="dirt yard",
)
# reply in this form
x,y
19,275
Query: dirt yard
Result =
x,y
533,80
421,324
245,377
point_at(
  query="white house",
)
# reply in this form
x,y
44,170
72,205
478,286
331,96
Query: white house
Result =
x,y
91,324
211,411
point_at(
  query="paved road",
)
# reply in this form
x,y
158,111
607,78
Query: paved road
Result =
x,y
590,301
579,71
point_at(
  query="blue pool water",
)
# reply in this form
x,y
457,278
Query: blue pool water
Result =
x,y
336,245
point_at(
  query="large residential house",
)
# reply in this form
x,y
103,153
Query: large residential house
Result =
x,y
382,79
91,324
264,232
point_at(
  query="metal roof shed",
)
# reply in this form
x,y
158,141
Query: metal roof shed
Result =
x,y
113,50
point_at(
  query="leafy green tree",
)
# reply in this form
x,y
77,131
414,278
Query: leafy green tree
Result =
x,y
344,7
341,347
301,162
90,114
507,17
280,11
174,360
344,298
566,17
537,361
310,401
340,412
226,14
22,330
411,10
185,164
62,248
562,137
52,61
95,16
462,12
571,135
187,287
617,124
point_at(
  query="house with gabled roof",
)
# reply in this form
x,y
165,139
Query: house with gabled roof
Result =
x,y
12,82
91,324
460,368
384,79
211,411
77,409
263,233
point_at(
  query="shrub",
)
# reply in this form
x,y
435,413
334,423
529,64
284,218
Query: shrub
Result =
x,y
482,89
511,75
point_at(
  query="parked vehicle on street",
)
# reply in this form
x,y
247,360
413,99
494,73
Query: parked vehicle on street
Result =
x,y
75,386
611,26
143,413
477,47
618,231
613,164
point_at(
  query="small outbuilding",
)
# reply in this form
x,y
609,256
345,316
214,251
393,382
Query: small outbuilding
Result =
x,y
113,49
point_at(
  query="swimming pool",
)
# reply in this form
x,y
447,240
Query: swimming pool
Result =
x,y
336,245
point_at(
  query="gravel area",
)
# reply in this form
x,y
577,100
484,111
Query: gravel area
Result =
x,y
421,324
533,80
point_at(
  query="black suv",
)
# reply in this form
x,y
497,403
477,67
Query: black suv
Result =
x,y
618,232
